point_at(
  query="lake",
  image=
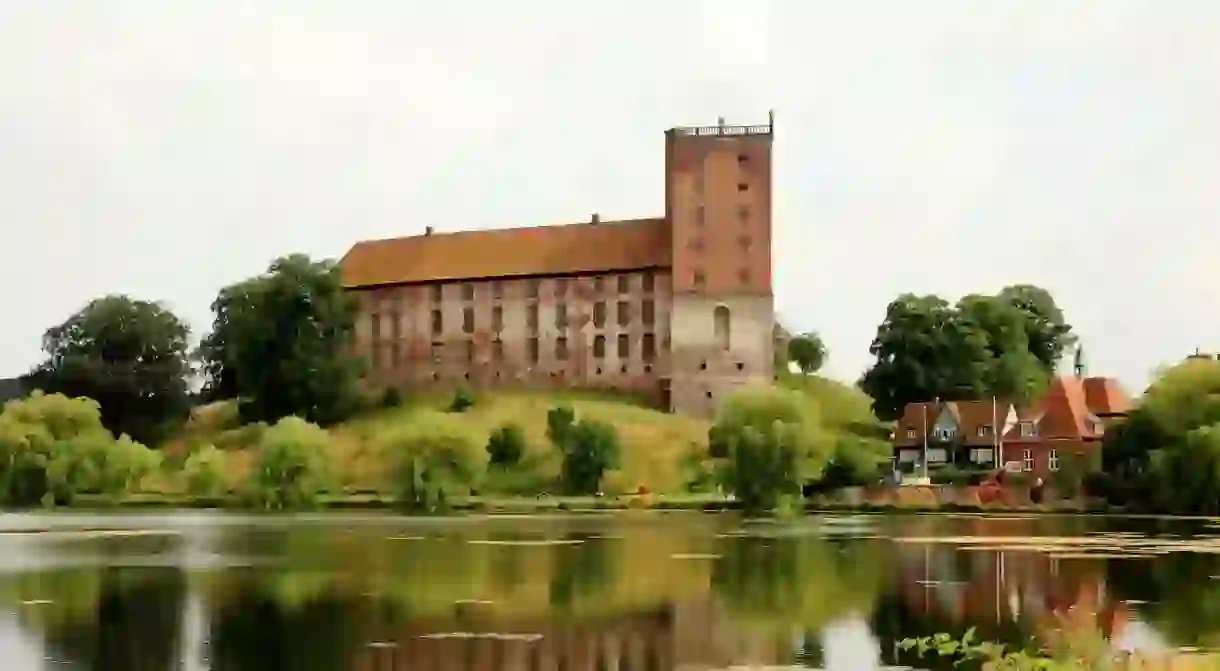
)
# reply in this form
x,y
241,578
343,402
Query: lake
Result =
x,y
638,591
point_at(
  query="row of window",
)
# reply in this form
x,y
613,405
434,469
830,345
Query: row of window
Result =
x,y
622,284
1028,430
623,312
984,455
648,350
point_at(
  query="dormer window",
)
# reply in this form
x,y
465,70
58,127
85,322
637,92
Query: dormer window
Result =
x,y
982,431
1028,430
943,434
910,433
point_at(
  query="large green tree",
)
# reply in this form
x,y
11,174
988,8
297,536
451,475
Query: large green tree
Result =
x,y
807,351
282,344
128,355
1005,345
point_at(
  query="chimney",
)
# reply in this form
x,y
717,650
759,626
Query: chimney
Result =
x,y
595,219
427,230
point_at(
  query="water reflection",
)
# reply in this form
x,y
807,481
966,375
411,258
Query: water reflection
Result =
x,y
625,594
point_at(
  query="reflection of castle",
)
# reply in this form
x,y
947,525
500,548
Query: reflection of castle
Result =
x,y
695,634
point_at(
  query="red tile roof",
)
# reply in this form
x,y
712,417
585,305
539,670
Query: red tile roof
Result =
x,y
607,246
1105,396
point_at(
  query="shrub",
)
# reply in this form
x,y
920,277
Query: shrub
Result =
x,y
505,446
433,457
53,448
204,472
463,399
294,466
588,448
391,398
774,444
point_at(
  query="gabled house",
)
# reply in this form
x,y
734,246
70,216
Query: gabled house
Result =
x,y
1070,418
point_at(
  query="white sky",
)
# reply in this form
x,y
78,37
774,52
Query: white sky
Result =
x,y
166,148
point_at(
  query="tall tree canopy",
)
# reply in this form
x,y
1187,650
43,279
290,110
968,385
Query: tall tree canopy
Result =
x,y
281,343
128,355
807,351
1005,345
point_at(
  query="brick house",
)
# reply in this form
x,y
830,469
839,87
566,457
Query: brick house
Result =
x,y
1070,418
678,307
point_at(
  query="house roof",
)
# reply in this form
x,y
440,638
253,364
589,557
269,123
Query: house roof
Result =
x,y
969,416
606,246
1105,396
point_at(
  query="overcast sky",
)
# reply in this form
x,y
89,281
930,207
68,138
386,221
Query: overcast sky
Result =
x,y
164,149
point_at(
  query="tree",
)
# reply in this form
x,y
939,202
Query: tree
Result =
x,y
1049,335
282,344
807,351
433,457
128,355
773,442
1005,345
295,464
588,448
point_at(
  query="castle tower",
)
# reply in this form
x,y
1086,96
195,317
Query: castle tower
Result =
x,y
718,205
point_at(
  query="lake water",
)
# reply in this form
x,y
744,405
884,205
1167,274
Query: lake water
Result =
x,y
632,592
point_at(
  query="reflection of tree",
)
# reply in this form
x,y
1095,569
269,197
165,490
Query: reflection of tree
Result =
x,y
584,571
894,620
134,625
251,631
804,581
1182,599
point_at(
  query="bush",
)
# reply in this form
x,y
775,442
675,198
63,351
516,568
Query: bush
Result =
x,y
588,448
294,466
505,446
54,448
463,399
774,444
391,398
204,472
433,457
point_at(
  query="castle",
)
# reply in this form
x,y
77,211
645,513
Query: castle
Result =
x,y
678,307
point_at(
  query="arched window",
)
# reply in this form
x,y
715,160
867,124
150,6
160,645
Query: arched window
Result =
x,y
721,326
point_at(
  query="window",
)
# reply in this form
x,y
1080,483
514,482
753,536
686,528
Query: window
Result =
x,y
395,325
624,346
698,279
497,289
531,317
561,348
534,287
1052,462
435,291
743,275
1027,429
599,285
649,281
743,213
742,158
438,323
438,352
743,242
497,350
1027,460
982,431
561,316
468,292
469,351
599,347
624,284
648,311
531,348
981,455
721,326
699,216
648,347
599,314
742,186
468,320
624,313
497,318
376,327
395,355
561,287
910,433
376,358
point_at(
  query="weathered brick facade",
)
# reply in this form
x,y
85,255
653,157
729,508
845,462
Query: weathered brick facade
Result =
x,y
679,308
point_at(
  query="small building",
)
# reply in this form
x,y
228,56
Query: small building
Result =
x,y
1069,419
678,307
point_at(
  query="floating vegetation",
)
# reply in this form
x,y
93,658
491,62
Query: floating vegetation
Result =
x,y
528,543
406,538
496,636
694,555
1098,546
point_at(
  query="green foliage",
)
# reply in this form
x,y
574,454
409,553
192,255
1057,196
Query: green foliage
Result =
x,y
391,398
53,448
1006,345
130,356
433,457
588,448
203,472
506,445
294,466
807,351
773,442
281,343
1088,652
463,399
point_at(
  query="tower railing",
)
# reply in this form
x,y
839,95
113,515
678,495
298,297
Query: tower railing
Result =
x,y
723,130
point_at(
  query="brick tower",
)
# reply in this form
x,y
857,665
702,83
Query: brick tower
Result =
x,y
718,205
